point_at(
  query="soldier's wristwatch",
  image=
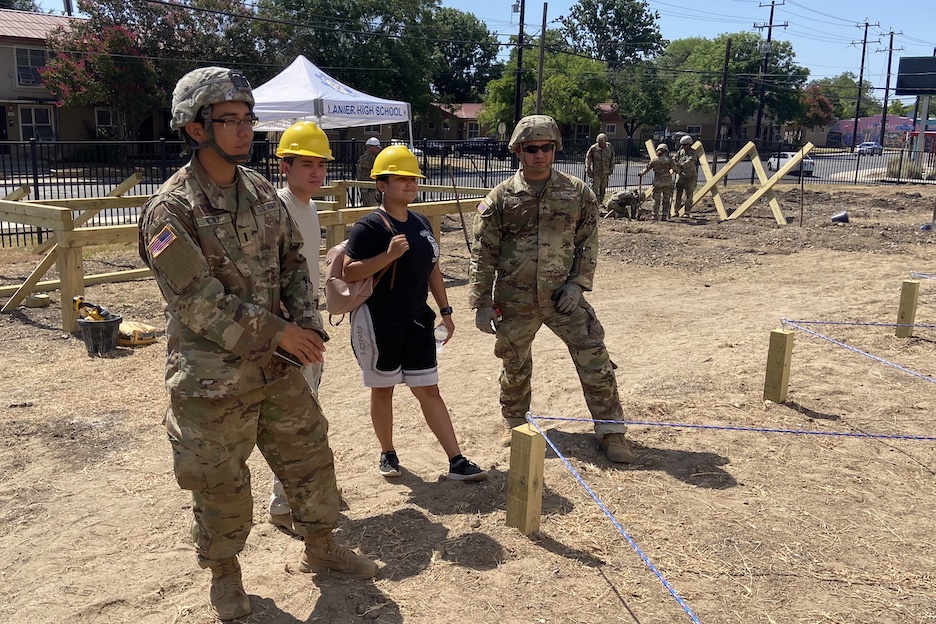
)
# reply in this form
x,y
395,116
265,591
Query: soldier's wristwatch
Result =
x,y
446,311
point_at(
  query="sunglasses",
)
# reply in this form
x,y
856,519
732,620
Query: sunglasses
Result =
x,y
532,149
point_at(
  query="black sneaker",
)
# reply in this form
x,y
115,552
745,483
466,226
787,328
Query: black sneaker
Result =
x,y
389,464
462,469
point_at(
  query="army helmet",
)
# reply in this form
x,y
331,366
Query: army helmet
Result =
x,y
205,86
602,137
686,140
662,147
535,128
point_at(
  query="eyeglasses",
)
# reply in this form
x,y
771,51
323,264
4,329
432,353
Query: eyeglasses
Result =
x,y
234,123
532,149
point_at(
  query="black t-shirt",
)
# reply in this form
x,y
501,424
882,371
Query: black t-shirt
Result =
x,y
369,237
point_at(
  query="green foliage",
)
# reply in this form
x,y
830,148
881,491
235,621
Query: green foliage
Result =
x,y
896,107
20,5
104,67
842,91
904,167
618,32
573,86
464,56
641,97
696,66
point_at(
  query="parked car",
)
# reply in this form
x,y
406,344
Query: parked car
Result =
x,y
415,150
806,166
869,148
483,146
433,148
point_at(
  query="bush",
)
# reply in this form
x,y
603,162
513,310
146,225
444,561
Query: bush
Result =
x,y
904,167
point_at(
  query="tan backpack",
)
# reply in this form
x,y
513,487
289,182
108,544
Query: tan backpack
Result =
x,y
341,295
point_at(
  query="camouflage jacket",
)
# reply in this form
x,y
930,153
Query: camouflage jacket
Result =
x,y
223,270
600,161
365,165
687,163
662,166
526,246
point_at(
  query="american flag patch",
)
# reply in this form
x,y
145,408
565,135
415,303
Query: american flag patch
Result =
x,y
161,241
482,207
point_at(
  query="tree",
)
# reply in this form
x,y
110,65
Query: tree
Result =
x,y
816,109
640,97
896,107
464,57
696,66
573,86
618,32
842,91
20,5
102,67
382,48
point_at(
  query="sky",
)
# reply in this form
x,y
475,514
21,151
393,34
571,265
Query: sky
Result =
x,y
826,35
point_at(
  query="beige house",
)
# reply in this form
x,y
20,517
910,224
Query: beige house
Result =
x,y
26,107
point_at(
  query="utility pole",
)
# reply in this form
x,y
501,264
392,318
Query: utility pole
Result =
x,y
539,73
763,73
721,103
518,86
864,45
890,56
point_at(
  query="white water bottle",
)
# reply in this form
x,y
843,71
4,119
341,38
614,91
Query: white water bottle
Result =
x,y
441,335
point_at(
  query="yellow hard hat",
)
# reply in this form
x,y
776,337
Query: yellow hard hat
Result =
x,y
396,160
304,138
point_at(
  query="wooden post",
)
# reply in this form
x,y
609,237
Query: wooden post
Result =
x,y
338,232
779,355
906,314
71,276
525,481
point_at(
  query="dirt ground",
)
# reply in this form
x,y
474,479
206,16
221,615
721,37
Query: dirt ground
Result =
x,y
746,526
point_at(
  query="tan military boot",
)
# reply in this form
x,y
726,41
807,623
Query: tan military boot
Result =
x,y
322,552
227,595
510,423
618,448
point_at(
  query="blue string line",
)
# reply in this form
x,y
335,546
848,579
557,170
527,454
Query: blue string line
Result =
x,y
530,419
843,434
867,324
923,275
859,351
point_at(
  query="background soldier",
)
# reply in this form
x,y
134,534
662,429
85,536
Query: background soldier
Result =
x,y
663,169
225,256
599,165
625,204
544,214
365,165
687,166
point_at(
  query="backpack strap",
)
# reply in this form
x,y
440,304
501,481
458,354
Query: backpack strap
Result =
x,y
393,232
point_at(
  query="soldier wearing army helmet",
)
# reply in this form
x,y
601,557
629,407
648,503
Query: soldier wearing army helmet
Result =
x,y
226,257
599,165
686,162
663,169
536,246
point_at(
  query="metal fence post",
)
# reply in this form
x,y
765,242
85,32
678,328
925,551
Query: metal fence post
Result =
x,y
34,158
163,169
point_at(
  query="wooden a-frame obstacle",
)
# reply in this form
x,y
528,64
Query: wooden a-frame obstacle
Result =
x,y
711,180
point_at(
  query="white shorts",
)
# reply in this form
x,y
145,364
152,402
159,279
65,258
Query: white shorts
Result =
x,y
392,352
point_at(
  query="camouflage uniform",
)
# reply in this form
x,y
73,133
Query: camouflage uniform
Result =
x,y
224,266
624,204
526,248
365,165
662,167
600,163
687,166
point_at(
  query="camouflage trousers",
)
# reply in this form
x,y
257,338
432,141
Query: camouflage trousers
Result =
x,y
599,184
662,194
211,440
685,185
584,337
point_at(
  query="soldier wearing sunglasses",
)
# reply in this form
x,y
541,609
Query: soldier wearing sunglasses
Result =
x,y
536,246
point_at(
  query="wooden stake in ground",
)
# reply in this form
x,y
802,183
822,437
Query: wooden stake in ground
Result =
x,y
525,481
779,354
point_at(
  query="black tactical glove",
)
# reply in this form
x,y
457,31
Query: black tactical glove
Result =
x,y
486,319
567,297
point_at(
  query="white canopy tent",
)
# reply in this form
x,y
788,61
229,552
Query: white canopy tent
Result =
x,y
302,91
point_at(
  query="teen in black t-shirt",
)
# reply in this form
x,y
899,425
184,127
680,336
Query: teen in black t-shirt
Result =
x,y
392,333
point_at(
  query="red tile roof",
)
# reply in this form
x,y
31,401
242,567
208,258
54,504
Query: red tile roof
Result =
x,y
463,111
28,25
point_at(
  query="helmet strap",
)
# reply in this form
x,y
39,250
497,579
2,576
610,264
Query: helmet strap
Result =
x,y
211,143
